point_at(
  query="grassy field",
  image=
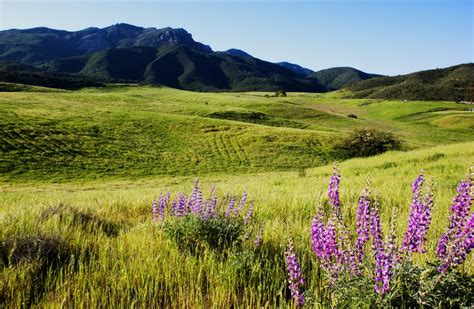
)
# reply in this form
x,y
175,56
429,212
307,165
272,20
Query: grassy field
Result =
x,y
105,154
136,263
132,132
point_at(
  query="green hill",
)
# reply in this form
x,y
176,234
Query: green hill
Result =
x,y
12,72
138,131
455,83
336,78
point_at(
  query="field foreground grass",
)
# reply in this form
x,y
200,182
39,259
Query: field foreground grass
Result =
x,y
101,247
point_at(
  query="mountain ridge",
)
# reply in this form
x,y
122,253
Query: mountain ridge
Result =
x,y
41,44
454,83
166,56
339,77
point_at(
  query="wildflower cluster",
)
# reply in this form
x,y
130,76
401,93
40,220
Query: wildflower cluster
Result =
x,y
196,206
193,220
336,253
332,245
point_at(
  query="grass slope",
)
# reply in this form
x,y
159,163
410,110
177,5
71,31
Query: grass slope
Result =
x,y
133,131
137,264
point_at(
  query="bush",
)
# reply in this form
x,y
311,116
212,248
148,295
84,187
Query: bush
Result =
x,y
366,142
280,93
194,234
195,224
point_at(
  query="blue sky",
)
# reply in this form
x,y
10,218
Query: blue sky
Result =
x,y
386,37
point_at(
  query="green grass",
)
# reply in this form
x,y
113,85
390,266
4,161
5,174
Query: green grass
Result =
x,y
132,132
105,154
139,265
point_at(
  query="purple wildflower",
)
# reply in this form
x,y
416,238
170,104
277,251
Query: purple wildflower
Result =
x,y
163,202
332,256
469,231
295,277
441,248
375,229
384,253
330,242
230,208
346,258
379,270
154,210
178,206
461,204
390,258
195,199
363,224
248,215
333,192
237,210
385,259
419,218
454,245
209,210
318,234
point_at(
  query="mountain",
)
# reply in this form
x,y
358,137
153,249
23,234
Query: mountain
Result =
x,y
184,68
237,52
295,68
167,56
454,83
335,78
38,45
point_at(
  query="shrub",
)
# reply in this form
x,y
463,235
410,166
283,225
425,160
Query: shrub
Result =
x,y
366,142
280,93
195,224
302,171
194,234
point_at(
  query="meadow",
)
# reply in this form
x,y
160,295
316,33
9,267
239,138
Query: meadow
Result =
x,y
134,132
80,171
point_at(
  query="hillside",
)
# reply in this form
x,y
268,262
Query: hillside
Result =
x,y
138,131
336,78
185,68
295,68
12,72
455,83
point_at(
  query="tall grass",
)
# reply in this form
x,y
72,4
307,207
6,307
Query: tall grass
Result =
x,y
101,247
